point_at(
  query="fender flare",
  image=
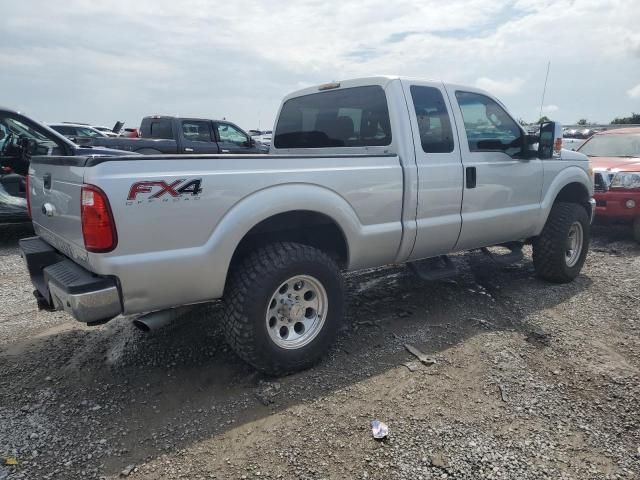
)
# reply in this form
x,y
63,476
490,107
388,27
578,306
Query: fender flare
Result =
x,y
227,234
572,174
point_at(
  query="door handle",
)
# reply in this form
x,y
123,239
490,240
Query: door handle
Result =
x,y
471,177
187,149
225,151
46,180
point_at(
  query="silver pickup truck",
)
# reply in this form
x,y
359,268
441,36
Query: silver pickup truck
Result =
x,y
361,173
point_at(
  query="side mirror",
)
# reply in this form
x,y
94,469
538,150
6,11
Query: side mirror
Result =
x,y
550,141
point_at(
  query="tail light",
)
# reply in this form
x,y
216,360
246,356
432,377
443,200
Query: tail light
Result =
x,y
98,226
28,194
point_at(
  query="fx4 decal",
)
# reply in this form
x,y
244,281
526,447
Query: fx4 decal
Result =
x,y
159,189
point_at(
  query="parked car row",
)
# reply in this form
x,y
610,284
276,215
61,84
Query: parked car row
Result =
x,y
160,134
21,138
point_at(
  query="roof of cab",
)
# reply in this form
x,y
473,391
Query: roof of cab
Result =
x,y
618,131
382,80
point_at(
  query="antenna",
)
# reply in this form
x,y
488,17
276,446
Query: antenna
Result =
x,y
544,90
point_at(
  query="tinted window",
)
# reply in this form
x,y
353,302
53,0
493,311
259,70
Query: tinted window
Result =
x,y
159,129
351,117
196,131
488,126
228,133
434,124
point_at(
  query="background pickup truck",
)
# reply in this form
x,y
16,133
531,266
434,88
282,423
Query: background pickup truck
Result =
x,y
163,134
362,173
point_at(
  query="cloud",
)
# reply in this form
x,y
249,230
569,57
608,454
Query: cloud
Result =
x,y
500,87
550,108
102,61
634,92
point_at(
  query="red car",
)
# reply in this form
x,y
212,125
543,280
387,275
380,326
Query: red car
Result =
x,y
615,158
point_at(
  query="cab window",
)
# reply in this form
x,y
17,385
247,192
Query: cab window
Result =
x,y
488,126
349,117
196,131
434,124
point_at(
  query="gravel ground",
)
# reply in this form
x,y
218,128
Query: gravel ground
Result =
x,y
531,380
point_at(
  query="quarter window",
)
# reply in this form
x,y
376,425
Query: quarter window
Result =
x,y
434,123
488,126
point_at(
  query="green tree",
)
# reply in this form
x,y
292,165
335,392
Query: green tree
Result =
x,y
543,119
582,122
634,118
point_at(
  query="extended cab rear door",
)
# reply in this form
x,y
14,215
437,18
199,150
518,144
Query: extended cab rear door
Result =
x,y
197,136
439,168
502,187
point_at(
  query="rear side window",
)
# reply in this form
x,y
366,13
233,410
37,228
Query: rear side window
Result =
x,y
160,128
351,117
434,123
196,131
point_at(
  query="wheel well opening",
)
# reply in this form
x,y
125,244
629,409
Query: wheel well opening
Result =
x,y
575,193
301,226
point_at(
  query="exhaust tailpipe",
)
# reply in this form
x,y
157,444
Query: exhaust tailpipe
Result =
x,y
155,320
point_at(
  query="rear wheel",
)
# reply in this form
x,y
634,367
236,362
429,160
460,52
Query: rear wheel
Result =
x,y
560,250
283,307
636,229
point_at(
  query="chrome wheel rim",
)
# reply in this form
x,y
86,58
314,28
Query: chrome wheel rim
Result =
x,y
296,312
574,244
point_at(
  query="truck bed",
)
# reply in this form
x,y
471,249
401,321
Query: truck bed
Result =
x,y
193,236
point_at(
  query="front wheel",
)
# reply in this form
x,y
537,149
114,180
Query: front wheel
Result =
x,y
560,250
283,307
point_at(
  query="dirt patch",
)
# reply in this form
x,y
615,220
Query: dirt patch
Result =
x,y
531,380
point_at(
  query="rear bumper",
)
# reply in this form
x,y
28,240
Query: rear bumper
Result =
x,y
62,284
619,206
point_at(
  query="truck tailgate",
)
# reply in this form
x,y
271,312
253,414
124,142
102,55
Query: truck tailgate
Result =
x,y
55,191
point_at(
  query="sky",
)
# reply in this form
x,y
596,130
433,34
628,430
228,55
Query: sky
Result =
x,y
98,62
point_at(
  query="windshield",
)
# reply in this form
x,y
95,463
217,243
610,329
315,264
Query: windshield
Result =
x,y
613,145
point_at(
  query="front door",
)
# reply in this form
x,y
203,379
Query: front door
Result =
x,y
439,169
232,139
502,187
